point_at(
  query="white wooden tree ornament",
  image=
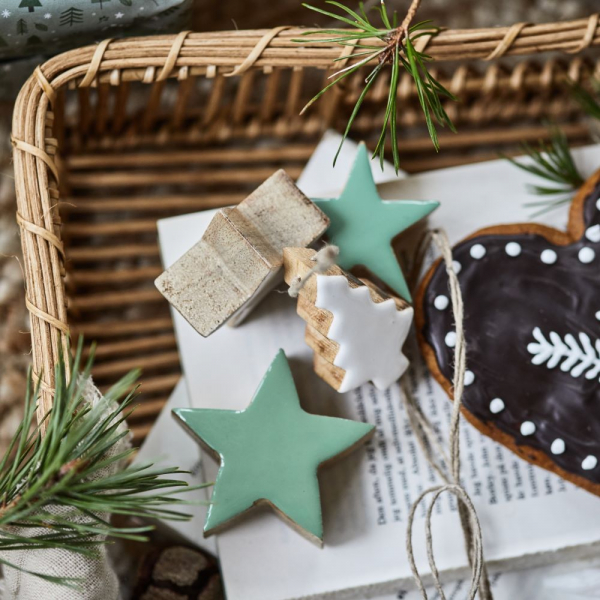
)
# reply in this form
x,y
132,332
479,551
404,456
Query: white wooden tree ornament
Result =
x,y
239,257
355,330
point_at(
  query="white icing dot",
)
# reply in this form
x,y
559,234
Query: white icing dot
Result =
x,y
441,302
497,405
469,377
527,428
450,339
548,257
589,463
477,251
593,233
513,249
586,255
558,446
456,266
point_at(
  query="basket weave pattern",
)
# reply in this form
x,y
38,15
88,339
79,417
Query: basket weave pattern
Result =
x,y
108,139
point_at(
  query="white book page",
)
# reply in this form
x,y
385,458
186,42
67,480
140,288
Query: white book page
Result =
x,y
167,446
321,179
524,510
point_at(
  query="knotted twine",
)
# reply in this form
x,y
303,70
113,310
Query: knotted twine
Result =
x,y
428,440
324,259
426,435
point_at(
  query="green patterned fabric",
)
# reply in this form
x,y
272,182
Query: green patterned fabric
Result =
x,y
29,27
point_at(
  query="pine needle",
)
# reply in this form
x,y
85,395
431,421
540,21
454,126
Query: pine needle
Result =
x,y
553,162
52,487
587,100
398,52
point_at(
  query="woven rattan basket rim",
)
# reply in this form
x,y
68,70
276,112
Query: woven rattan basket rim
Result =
x,y
155,58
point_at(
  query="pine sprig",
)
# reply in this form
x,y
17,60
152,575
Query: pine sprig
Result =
x,y
52,487
588,101
553,162
397,52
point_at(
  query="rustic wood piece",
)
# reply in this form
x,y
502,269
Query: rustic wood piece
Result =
x,y
238,260
177,572
297,262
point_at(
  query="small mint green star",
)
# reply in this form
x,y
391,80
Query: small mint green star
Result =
x,y
363,225
270,452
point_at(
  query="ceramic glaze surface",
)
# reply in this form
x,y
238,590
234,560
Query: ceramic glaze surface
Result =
x,y
271,451
363,225
370,334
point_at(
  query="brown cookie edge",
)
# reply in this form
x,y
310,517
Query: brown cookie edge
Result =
x,y
575,230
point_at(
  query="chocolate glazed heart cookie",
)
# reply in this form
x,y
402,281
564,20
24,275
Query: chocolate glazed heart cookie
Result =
x,y
532,325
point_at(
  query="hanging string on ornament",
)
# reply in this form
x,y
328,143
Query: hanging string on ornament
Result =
x,y
448,468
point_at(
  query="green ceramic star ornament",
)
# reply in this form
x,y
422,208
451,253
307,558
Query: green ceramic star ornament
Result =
x,y
270,453
363,225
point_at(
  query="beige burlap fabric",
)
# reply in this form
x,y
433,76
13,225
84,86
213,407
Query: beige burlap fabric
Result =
x,y
98,579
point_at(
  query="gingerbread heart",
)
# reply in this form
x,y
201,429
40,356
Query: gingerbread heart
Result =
x,y
532,326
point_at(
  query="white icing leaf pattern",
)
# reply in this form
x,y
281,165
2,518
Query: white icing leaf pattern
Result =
x,y
370,334
575,357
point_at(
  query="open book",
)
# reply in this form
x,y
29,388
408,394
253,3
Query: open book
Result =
x,y
529,516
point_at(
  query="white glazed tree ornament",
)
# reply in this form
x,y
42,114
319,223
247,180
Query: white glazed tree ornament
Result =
x,y
370,335
576,358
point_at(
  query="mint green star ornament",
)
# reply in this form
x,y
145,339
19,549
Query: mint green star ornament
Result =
x,y
363,225
270,453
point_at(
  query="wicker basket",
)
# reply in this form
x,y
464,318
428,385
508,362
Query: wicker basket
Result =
x,y
108,139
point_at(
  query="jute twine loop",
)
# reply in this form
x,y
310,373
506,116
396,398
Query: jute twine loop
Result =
x,y
39,380
588,36
95,63
42,232
324,259
38,152
428,440
42,314
345,54
45,84
423,41
507,41
173,56
257,51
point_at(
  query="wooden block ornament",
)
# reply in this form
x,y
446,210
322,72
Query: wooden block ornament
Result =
x,y
239,257
270,453
355,330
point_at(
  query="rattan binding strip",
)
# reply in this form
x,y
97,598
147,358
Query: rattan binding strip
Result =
x,y
203,54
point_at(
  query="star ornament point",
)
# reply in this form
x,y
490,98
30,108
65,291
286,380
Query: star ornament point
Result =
x,y
270,452
363,225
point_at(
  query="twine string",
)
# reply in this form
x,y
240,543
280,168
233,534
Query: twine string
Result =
x,y
427,438
507,41
45,84
37,152
94,66
588,36
257,51
173,56
324,259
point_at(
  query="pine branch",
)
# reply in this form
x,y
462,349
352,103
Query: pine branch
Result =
x,y
553,162
589,102
397,53
52,486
